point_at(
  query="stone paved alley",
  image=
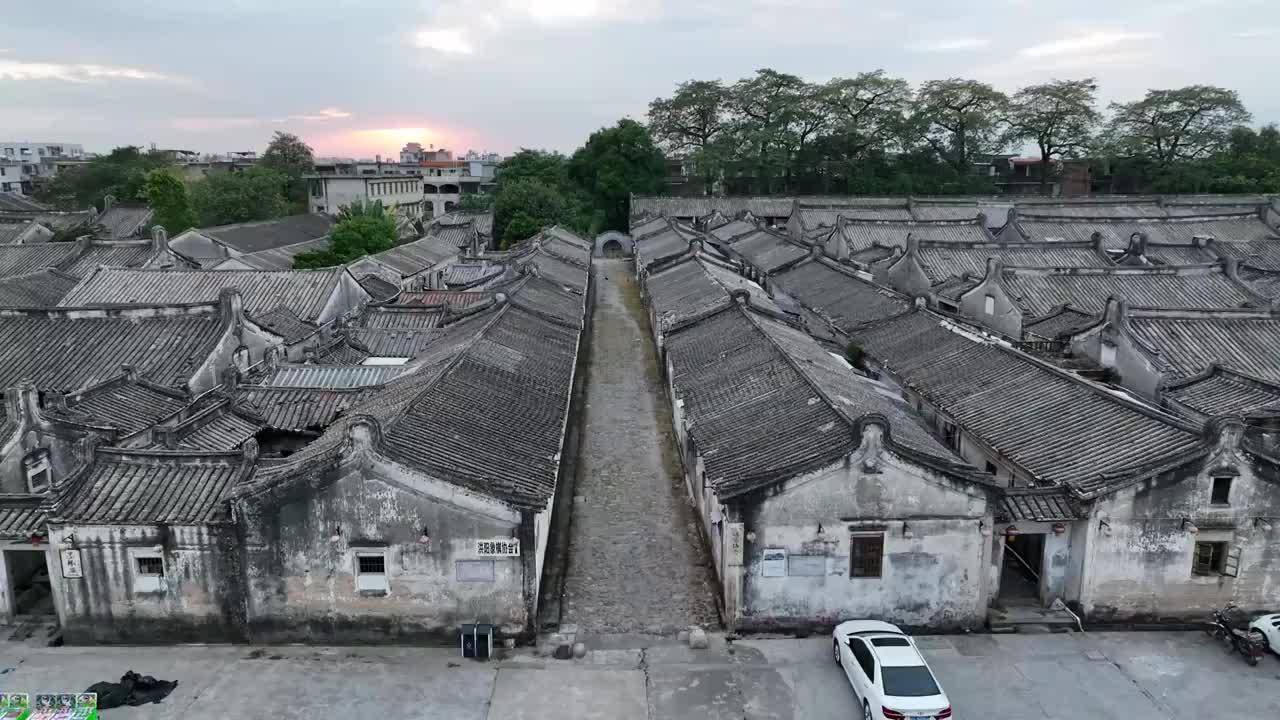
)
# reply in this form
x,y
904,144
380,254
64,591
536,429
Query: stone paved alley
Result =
x,y
637,563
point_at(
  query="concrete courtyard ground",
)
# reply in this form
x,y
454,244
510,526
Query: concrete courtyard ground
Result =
x,y
1100,676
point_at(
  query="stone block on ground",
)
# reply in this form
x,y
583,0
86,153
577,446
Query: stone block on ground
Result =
x,y
698,639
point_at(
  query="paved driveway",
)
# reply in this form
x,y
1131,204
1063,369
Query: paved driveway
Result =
x,y
1114,676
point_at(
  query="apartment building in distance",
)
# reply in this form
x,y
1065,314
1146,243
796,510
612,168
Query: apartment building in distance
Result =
x,y
36,162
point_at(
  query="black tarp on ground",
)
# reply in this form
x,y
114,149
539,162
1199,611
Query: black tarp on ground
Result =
x,y
133,689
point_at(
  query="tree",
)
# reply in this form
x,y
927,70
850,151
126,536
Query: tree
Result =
x,y
168,198
692,123
765,105
121,173
1189,123
292,158
866,110
961,120
523,207
476,202
614,163
1059,117
236,197
361,230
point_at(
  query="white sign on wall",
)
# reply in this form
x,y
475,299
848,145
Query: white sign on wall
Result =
x,y
774,563
506,547
71,564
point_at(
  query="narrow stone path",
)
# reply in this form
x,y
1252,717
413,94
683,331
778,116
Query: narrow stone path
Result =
x,y
637,563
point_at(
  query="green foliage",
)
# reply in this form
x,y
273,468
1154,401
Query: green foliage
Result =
x,y
535,191
1058,117
961,120
167,196
1166,126
614,163
121,173
289,156
476,202
236,197
360,230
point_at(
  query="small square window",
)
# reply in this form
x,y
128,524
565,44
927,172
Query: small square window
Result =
x,y
39,473
148,576
866,555
371,573
1209,559
1221,494
991,468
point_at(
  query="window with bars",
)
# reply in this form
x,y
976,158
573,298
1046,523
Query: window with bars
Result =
x,y
148,574
1209,558
371,573
866,554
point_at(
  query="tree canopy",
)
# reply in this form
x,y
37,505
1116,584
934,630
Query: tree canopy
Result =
x,y
292,158
614,163
121,173
236,197
363,229
168,198
1189,123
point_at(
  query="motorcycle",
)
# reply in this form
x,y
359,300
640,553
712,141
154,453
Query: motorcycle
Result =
x,y
1225,627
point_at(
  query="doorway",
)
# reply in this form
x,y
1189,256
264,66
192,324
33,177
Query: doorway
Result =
x,y
1022,568
30,591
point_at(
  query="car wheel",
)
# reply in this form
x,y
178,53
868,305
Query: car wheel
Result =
x,y
835,651
866,711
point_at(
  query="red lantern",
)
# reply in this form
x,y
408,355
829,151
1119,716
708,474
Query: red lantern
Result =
x,y
1011,530
1059,528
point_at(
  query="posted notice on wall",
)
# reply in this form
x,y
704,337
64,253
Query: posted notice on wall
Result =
x,y
71,564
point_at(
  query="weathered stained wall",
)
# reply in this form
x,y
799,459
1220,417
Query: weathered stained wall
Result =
x,y
1134,367
1005,317
201,600
935,578
1142,567
302,583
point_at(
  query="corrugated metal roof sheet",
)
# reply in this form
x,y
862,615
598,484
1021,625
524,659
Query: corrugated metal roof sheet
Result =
x,y
330,376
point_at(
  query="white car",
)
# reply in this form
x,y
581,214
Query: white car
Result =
x,y
1269,626
887,672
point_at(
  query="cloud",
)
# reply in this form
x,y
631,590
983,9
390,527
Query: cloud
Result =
x,y
1084,43
216,123
450,41
75,73
954,44
1250,34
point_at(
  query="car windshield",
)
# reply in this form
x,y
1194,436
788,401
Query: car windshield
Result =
x,y
913,681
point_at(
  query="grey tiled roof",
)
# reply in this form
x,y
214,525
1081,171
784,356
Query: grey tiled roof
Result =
x,y
767,251
454,299
1262,254
41,288
942,260
1190,342
123,221
1038,505
560,271
11,231
299,409
547,297
21,516
815,216
1222,392
1061,430
1059,322
696,207
329,376
732,229
224,430
1038,291
13,202
1264,282
124,254
304,292
70,349
284,322
765,402
378,288
414,257
471,274
846,301
693,287
266,234
151,486
661,245
483,220
1163,230
59,221
280,258
1164,254
131,406
864,235
395,331
23,259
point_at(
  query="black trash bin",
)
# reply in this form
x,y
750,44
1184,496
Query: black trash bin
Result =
x,y
477,641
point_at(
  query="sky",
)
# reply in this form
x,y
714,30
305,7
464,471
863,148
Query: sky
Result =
x,y
355,78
